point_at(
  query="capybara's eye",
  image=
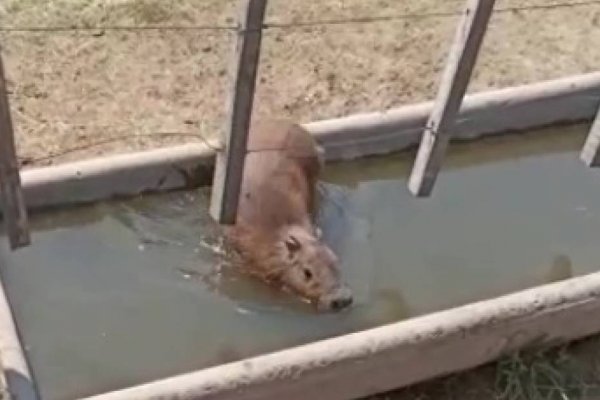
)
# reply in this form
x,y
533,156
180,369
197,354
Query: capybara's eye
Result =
x,y
292,244
308,274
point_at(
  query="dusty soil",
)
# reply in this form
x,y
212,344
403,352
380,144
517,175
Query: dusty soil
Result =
x,y
133,89
99,91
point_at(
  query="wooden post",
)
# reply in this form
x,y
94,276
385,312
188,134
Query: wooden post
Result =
x,y
229,166
589,153
453,85
14,212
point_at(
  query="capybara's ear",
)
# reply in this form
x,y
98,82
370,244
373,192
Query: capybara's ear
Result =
x,y
292,244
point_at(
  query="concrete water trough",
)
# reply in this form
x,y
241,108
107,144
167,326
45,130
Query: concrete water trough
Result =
x,y
366,361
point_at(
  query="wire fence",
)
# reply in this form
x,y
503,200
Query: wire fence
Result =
x,y
273,25
292,25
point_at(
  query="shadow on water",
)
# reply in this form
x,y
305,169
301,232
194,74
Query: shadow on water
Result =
x,y
120,293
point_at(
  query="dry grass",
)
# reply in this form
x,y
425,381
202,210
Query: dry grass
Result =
x,y
75,89
546,374
565,373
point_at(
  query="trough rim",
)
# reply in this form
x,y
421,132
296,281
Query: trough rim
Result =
x,y
20,383
323,370
566,100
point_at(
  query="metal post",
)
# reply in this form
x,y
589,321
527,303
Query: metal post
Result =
x,y
455,79
13,204
229,166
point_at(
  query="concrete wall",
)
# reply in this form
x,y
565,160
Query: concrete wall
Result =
x,y
395,355
524,107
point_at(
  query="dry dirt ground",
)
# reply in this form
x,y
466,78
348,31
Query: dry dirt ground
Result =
x,y
90,92
132,89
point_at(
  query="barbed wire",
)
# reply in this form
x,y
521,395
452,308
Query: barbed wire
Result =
x,y
116,139
439,14
232,28
50,29
216,147
288,25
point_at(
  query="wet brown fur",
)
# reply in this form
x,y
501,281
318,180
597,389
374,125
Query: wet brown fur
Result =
x,y
278,190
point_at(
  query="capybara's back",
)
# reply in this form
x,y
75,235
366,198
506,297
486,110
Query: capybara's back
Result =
x,y
275,232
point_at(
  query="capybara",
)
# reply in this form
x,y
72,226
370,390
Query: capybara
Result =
x,y
275,233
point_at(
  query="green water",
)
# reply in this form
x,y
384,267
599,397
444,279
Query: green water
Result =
x,y
120,293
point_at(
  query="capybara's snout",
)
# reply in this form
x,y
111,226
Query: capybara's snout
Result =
x,y
337,300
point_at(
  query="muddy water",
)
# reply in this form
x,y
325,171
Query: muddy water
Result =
x,y
117,294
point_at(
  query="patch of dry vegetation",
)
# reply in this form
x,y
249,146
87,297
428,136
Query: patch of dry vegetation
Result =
x,y
73,89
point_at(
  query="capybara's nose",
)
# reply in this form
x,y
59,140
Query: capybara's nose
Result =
x,y
336,300
340,299
339,304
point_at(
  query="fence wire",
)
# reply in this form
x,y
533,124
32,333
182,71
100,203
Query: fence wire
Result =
x,y
290,25
266,26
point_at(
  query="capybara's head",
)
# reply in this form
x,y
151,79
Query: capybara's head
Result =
x,y
311,269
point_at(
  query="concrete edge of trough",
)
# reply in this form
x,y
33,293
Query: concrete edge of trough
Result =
x,y
395,355
17,375
568,99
